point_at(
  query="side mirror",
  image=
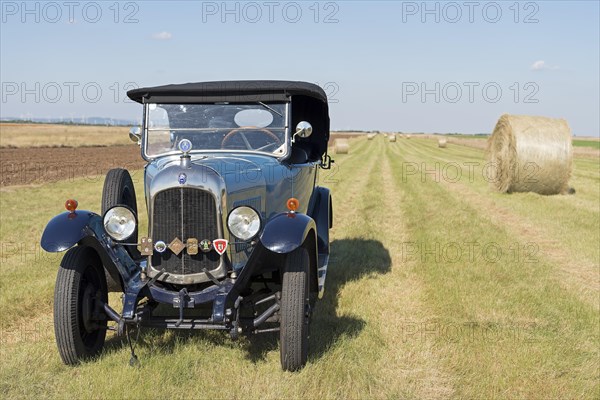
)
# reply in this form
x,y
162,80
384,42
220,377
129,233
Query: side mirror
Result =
x,y
135,134
303,129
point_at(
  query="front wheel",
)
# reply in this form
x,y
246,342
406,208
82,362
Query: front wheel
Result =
x,y
119,190
79,321
293,334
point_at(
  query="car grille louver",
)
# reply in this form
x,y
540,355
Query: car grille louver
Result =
x,y
184,213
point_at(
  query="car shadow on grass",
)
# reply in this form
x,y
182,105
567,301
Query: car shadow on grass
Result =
x,y
351,260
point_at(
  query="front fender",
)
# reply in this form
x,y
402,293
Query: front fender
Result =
x,y
65,230
86,228
286,232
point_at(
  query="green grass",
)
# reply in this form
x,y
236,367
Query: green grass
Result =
x,y
510,319
401,318
564,218
594,144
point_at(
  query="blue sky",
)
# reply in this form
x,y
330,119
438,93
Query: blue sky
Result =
x,y
402,66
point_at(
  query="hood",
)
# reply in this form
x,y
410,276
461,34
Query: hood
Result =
x,y
241,179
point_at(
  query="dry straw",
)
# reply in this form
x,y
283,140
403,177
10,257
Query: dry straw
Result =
x,y
341,146
530,154
408,136
370,136
442,143
392,138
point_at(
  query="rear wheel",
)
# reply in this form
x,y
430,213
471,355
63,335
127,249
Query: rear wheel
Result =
x,y
294,311
79,322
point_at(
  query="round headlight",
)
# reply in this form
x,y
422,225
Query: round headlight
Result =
x,y
243,222
119,223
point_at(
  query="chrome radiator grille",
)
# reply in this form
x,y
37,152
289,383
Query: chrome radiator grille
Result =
x,y
184,213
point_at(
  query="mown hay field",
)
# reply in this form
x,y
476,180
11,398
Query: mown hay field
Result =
x,y
58,135
438,287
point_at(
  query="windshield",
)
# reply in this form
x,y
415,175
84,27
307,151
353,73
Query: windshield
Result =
x,y
217,127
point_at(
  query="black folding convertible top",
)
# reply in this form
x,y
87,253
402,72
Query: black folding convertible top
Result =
x,y
309,102
231,91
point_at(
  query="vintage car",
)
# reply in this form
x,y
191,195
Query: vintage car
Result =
x,y
238,230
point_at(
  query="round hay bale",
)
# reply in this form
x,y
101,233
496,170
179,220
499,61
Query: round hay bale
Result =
x,y
392,138
442,143
408,136
370,136
530,154
341,146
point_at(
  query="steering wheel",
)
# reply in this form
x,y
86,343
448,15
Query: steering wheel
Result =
x,y
239,131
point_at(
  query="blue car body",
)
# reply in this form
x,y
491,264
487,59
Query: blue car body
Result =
x,y
218,182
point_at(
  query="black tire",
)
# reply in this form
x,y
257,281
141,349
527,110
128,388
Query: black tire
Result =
x,y
293,335
79,323
119,189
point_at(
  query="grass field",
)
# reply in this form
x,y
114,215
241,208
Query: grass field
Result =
x,y
463,136
52,135
594,144
437,288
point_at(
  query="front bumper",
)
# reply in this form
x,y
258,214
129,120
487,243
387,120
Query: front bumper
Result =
x,y
223,299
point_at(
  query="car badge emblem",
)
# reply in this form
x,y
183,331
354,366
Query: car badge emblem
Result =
x,y
146,246
185,146
160,246
220,246
176,246
205,246
182,178
192,246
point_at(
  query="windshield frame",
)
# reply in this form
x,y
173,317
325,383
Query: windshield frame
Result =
x,y
150,157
